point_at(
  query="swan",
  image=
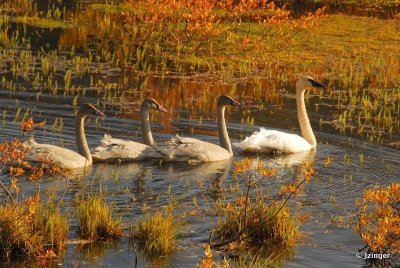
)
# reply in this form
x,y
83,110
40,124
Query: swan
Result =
x,y
112,149
66,158
268,141
181,149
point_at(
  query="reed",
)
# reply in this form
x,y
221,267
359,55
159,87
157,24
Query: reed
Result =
x,y
95,221
156,233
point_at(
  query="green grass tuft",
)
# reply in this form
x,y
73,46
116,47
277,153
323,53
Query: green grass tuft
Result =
x,y
264,225
95,220
156,233
44,22
31,229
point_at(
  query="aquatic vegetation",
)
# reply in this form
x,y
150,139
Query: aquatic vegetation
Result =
x,y
265,225
18,6
256,262
32,229
208,261
44,22
378,224
156,232
252,222
95,221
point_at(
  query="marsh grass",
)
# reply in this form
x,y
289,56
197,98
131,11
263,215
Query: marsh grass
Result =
x,y
265,226
95,221
246,259
32,229
54,225
255,221
156,233
44,22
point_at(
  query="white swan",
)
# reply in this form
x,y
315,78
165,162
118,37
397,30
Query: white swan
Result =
x,y
181,149
267,141
64,157
112,149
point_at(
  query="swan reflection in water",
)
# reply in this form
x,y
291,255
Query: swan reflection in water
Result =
x,y
144,179
285,160
214,173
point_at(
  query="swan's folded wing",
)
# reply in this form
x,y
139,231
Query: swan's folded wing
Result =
x,y
182,140
267,141
184,149
124,150
62,156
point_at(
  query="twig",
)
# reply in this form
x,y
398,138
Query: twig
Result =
x,y
8,193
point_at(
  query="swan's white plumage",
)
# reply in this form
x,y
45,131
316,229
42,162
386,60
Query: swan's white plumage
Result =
x,y
182,149
112,149
65,158
267,141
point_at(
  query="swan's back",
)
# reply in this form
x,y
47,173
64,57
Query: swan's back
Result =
x,y
112,149
64,157
181,149
268,141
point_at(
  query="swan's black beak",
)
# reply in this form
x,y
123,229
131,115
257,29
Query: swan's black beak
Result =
x,y
316,84
235,103
162,109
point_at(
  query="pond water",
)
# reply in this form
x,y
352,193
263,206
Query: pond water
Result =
x,y
329,198
331,194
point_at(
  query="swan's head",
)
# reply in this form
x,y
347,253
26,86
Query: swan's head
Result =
x,y
89,109
306,82
153,104
226,100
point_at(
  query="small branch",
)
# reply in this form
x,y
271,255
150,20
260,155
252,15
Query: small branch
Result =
x,y
65,190
8,193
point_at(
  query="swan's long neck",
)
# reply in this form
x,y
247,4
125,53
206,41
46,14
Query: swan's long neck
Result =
x,y
146,131
83,147
304,121
222,131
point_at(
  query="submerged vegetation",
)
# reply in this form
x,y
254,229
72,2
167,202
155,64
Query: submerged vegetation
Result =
x,y
185,53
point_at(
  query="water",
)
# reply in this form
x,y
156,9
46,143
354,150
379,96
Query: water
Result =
x,y
331,193
329,198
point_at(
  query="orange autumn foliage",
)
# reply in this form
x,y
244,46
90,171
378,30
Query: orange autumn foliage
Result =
x,y
14,159
379,219
29,125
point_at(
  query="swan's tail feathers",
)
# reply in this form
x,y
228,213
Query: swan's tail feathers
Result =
x,y
29,143
32,141
107,140
107,136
